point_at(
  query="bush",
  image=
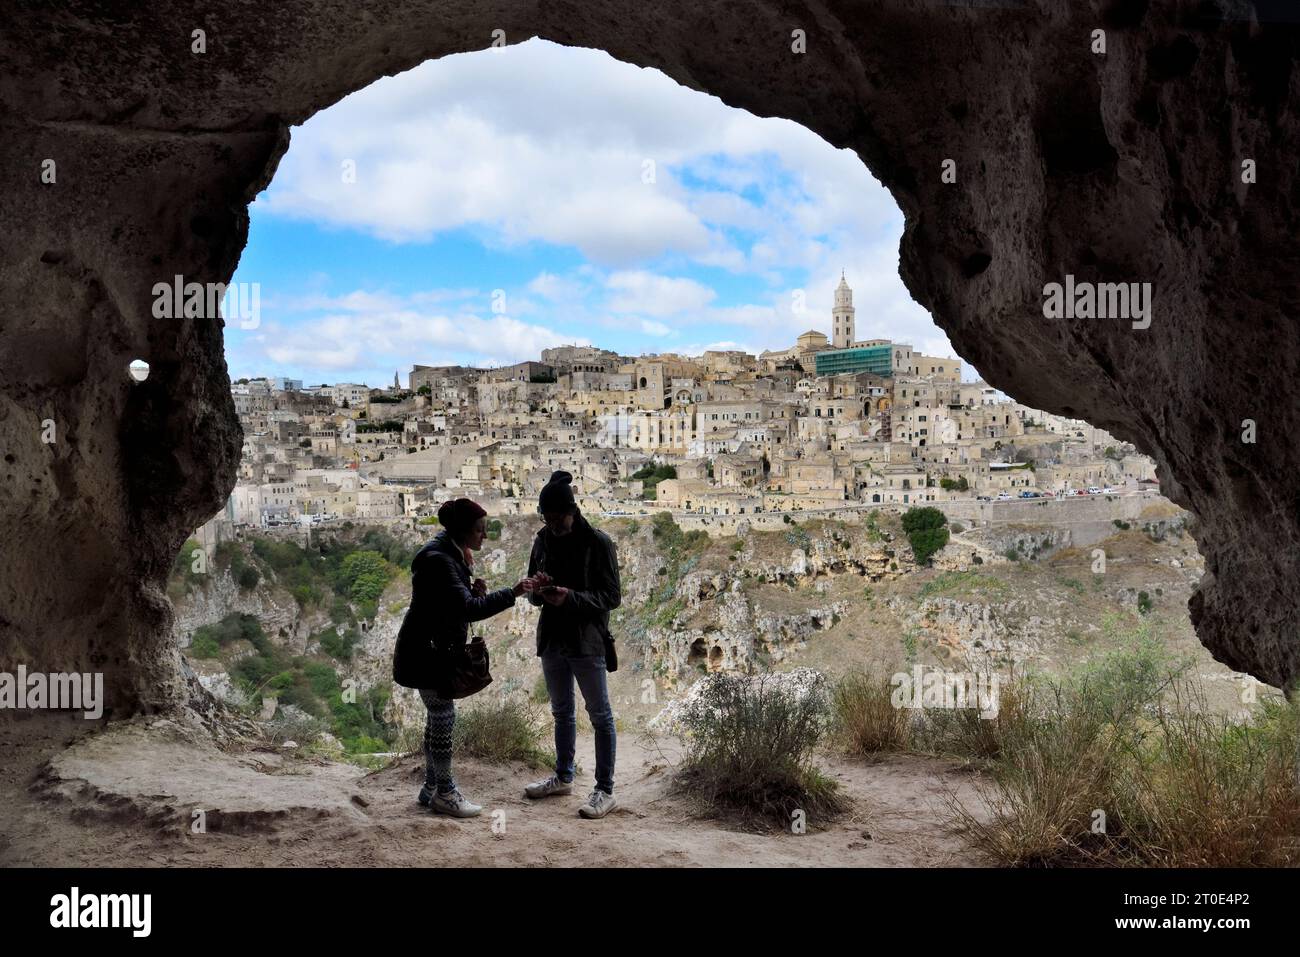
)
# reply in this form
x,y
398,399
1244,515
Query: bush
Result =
x,y
248,578
204,646
183,577
750,745
864,720
1201,791
669,535
507,730
339,644
967,734
1179,786
927,531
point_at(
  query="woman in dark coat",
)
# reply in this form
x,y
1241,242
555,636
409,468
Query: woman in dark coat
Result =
x,y
445,599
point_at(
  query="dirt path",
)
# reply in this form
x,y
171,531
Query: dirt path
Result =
x,y
130,800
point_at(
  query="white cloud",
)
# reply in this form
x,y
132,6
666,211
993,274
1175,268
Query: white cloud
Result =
x,y
640,291
541,144
361,345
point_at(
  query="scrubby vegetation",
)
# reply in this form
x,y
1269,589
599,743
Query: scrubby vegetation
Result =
x,y
356,569
502,730
681,551
311,685
1117,763
651,476
750,746
184,576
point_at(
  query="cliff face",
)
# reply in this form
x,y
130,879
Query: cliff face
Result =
x,y
1123,166
835,596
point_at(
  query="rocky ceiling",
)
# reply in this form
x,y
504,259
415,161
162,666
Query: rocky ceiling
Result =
x,y
1122,166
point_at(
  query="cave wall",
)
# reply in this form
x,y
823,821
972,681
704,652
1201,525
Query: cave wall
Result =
x,y
1122,167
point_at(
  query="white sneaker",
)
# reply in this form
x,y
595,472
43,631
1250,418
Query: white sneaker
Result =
x,y
598,805
548,788
455,805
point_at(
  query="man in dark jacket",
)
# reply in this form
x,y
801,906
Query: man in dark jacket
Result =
x,y
574,571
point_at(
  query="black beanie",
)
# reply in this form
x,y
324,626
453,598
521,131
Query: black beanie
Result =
x,y
557,494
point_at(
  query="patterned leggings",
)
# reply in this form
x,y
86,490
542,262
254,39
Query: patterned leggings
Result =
x,y
437,742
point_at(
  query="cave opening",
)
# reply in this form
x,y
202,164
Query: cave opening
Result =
x,y
155,172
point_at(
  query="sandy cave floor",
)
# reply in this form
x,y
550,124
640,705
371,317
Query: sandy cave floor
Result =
x,y
126,797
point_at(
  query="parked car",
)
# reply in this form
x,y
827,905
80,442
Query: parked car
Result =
x,y
1093,490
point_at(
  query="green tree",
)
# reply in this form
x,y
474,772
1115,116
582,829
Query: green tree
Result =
x,y
927,531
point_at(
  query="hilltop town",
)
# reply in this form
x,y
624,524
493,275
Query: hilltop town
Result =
x,y
826,424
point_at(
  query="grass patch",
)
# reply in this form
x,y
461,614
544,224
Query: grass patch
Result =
x,y
1117,763
750,745
1121,764
501,731
864,720
963,582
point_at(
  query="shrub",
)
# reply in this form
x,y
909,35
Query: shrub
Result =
x,y
864,720
670,536
927,531
1144,603
339,644
750,745
1201,791
1040,795
1180,786
507,730
248,577
968,734
204,646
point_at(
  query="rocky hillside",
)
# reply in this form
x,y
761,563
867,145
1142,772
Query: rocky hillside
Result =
x,y
827,594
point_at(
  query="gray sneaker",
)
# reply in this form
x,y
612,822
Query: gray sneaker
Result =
x,y
598,805
455,805
548,788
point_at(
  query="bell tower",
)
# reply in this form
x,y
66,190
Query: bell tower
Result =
x,y
843,335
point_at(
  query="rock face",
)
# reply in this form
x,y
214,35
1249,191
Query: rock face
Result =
x,y
1125,166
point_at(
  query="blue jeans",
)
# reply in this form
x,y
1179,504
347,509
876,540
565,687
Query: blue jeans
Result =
x,y
560,671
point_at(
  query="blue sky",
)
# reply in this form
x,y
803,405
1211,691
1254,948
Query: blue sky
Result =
x,y
513,199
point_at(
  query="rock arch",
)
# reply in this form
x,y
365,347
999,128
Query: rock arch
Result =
x,y
1123,167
